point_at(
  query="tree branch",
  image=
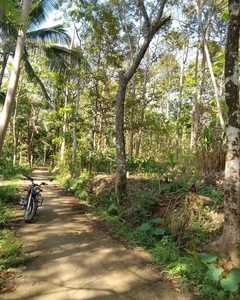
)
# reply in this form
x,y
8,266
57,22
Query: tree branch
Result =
x,y
142,7
144,47
160,12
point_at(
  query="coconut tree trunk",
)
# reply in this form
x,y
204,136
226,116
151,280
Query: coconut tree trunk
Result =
x,y
229,241
13,83
15,138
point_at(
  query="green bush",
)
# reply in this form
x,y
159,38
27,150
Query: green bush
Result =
x,y
140,211
78,186
165,252
8,193
8,171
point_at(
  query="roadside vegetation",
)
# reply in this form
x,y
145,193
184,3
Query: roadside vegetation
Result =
x,y
11,254
171,211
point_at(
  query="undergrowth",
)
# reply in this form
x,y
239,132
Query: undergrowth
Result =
x,y
10,247
157,218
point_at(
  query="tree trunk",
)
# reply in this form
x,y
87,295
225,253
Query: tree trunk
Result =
x,y
198,87
195,109
74,154
31,129
2,15
142,115
64,128
229,241
13,83
121,177
140,130
179,103
65,125
15,140
219,108
121,174
132,113
4,64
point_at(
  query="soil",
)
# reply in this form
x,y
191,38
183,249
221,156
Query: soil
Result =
x,y
72,257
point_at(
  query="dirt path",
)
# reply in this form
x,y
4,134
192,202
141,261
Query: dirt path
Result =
x,y
72,260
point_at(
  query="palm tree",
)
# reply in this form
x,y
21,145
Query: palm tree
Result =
x,y
34,34
37,16
12,87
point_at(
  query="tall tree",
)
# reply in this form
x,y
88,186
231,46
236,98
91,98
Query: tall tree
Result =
x,y
229,241
150,27
13,83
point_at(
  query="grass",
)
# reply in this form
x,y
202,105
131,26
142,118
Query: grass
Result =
x,y
9,248
11,254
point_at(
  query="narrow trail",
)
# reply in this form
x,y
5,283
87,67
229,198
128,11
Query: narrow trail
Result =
x,y
71,260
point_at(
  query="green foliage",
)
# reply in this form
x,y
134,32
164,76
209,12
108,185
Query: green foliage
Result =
x,y
10,251
231,282
217,195
165,251
7,195
78,186
7,191
8,171
102,162
4,213
140,210
163,238
143,165
9,9
225,15
151,229
207,257
9,245
96,162
213,273
106,203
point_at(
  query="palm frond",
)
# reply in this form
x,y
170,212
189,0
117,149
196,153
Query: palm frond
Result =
x,y
54,34
61,59
34,77
41,9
